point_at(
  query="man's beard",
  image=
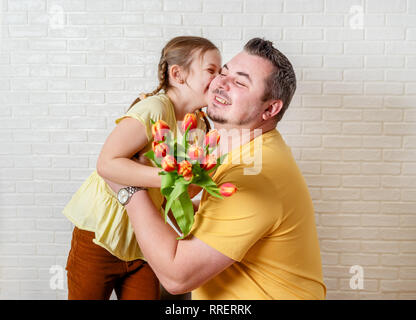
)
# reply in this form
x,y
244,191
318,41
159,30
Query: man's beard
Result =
x,y
216,118
220,119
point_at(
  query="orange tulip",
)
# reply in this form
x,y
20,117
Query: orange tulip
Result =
x,y
159,130
227,189
189,122
209,162
168,163
196,153
185,169
212,138
161,150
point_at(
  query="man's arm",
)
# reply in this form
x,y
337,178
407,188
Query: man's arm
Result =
x,y
181,266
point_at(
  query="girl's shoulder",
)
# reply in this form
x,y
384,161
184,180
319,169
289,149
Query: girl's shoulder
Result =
x,y
157,104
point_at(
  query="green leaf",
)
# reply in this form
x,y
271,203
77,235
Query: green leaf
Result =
x,y
151,156
178,189
214,192
168,181
183,211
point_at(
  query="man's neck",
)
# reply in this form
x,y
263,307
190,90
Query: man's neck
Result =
x,y
232,137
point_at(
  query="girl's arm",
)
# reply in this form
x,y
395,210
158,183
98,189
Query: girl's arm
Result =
x,y
114,162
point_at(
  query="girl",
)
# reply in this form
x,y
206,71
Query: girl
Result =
x,y
104,252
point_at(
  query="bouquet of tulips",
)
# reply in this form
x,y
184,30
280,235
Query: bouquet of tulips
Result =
x,y
183,163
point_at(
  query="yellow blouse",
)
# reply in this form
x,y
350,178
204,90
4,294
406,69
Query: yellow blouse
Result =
x,y
94,207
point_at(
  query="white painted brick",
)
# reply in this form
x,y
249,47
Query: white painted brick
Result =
x,y
263,6
143,5
222,6
361,155
23,31
382,6
282,20
105,84
222,33
399,129
400,20
343,61
403,101
242,20
409,195
359,233
343,34
398,260
50,148
303,6
33,187
26,5
324,47
303,34
66,85
319,74
336,220
344,141
321,154
401,182
388,61
342,88
382,142
385,34
322,128
340,168
325,20
340,194
123,18
105,58
363,75
363,101
389,88
271,34
362,128
341,6
87,72
104,5
360,181
380,168
373,47
163,19
381,194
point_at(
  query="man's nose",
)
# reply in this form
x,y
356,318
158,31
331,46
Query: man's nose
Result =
x,y
224,82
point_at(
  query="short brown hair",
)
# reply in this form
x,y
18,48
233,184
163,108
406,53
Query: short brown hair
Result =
x,y
281,83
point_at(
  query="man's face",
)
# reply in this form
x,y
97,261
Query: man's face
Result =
x,y
235,95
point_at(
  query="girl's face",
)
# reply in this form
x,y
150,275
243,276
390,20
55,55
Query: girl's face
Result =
x,y
202,71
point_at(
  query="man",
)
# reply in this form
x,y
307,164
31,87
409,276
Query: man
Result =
x,y
260,243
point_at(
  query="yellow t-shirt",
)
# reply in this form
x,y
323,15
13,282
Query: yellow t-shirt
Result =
x,y
267,227
94,207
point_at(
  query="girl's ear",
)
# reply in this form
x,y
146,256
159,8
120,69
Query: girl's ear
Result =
x,y
273,109
176,74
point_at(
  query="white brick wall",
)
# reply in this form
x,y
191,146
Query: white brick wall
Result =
x,y
68,68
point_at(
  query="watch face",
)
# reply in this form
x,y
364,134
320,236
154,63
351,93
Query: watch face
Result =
x,y
123,196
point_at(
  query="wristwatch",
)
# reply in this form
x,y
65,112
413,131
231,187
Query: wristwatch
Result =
x,y
124,194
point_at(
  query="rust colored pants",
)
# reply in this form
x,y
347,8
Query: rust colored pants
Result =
x,y
93,273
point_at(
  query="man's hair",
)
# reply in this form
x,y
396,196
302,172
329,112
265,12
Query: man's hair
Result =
x,y
281,83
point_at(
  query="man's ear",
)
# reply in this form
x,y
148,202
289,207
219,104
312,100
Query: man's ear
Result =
x,y
176,74
272,109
